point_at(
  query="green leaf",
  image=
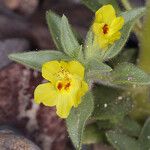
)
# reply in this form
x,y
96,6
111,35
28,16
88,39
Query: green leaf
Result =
x,y
127,55
94,5
144,138
128,74
98,66
92,134
69,42
130,127
91,49
105,124
77,119
35,59
110,104
130,18
121,141
54,23
133,14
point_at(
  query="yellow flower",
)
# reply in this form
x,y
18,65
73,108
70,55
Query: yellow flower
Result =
x,y
66,86
106,26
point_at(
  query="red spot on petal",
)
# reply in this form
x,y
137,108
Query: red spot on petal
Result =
x,y
67,86
60,86
105,29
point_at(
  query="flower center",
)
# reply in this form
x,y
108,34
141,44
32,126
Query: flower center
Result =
x,y
63,85
59,86
64,80
105,29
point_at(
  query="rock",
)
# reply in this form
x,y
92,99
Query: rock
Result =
x,y
10,46
26,7
9,140
17,108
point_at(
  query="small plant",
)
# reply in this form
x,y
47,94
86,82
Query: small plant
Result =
x,y
103,96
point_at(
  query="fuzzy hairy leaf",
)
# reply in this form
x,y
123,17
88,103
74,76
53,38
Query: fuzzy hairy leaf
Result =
x,y
130,127
35,59
98,66
110,104
77,119
144,138
68,40
127,74
130,18
54,22
121,141
92,134
127,55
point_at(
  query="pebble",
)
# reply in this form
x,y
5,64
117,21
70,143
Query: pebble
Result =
x,y
11,46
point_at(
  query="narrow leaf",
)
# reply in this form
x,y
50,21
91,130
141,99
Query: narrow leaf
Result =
x,y
92,134
98,66
54,23
130,127
122,142
144,138
69,42
91,48
35,59
128,74
110,104
133,14
77,119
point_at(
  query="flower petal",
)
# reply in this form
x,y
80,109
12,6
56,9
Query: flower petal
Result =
x,y
116,25
105,14
75,68
102,41
50,69
46,94
97,28
64,105
114,37
81,92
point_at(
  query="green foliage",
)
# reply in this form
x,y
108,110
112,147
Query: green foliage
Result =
x,y
127,73
107,106
127,55
130,127
121,141
36,59
144,138
69,42
54,22
77,119
92,134
98,66
110,104
130,18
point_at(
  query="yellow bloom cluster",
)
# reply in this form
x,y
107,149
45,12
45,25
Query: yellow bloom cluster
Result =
x,y
66,86
106,26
